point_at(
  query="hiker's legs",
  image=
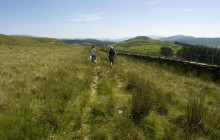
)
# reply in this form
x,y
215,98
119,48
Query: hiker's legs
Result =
x,y
111,61
93,58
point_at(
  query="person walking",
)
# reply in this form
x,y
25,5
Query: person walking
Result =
x,y
111,55
93,54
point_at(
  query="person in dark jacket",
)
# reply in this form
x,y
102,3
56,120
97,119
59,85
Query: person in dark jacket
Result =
x,y
111,55
93,54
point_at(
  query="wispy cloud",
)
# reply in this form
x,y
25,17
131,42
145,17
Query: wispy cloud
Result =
x,y
188,10
85,17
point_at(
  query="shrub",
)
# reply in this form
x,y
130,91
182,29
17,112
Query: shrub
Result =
x,y
166,51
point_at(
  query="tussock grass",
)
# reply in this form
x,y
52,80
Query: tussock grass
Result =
x,y
200,119
105,87
45,93
142,97
168,102
195,115
44,90
125,129
158,127
145,97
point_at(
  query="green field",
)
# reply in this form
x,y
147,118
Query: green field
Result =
x,y
52,91
145,45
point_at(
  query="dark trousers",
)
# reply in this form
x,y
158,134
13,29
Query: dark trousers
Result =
x,y
111,59
93,58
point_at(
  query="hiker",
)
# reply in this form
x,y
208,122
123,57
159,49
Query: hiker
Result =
x,y
93,54
111,55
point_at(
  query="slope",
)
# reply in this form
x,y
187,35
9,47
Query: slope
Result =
x,y
17,40
87,42
214,42
52,92
144,44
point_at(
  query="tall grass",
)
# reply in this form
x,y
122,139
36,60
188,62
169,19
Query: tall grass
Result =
x,y
40,86
142,97
45,93
195,115
201,119
160,101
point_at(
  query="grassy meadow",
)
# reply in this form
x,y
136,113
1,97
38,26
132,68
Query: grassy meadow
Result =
x,y
52,91
43,90
145,45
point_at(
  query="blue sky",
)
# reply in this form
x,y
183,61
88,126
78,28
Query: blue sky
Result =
x,y
110,18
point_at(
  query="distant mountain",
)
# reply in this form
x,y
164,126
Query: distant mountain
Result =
x,y
114,40
87,42
138,38
156,37
127,38
26,36
214,42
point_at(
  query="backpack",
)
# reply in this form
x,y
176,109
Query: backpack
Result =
x,y
111,53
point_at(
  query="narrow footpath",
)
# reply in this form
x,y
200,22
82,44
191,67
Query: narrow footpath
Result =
x,y
85,129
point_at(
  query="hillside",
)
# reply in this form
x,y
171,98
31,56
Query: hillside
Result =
x,y
87,42
214,42
49,91
144,44
19,40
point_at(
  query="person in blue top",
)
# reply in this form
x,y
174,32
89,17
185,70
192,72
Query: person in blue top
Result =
x,y
111,55
93,54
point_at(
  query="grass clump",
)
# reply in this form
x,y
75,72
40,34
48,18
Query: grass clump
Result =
x,y
200,119
142,96
158,127
195,115
124,128
105,87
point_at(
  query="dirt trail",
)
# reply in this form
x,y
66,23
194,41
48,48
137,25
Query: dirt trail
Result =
x,y
94,85
120,84
85,117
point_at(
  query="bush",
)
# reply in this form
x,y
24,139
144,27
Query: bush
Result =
x,y
166,51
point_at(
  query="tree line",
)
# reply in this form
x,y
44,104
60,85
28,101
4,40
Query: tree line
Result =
x,y
199,53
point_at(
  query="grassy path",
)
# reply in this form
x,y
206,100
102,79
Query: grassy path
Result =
x,y
94,85
86,130
106,116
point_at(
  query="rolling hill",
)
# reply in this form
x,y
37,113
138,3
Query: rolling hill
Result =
x,y
144,44
87,42
49,91
214,42
21,40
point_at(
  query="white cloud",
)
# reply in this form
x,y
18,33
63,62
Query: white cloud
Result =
x,y
188,10
86,17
